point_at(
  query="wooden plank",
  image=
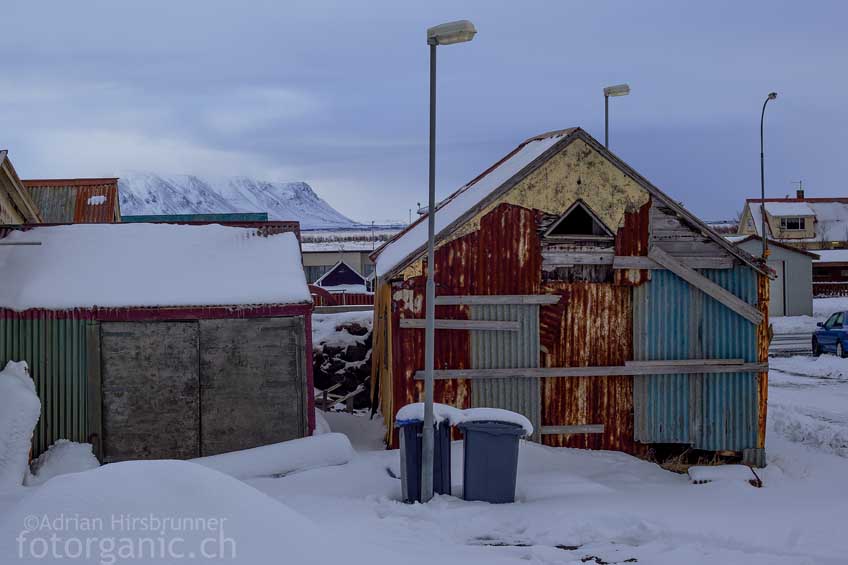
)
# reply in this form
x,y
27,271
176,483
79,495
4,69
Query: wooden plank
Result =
x,y
707,286
577,429
609,371
419,323
563,258
498,299
678,362
95,397
640,262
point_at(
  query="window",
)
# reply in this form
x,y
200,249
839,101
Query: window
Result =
x,y
834,321
579,221
793,223
367,269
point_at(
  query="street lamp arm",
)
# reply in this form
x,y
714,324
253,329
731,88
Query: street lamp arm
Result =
x,y
763,235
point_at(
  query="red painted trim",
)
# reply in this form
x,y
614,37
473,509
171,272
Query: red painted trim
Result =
x,y
310,380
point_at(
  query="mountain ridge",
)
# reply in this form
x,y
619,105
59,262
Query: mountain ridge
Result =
x,y
146,193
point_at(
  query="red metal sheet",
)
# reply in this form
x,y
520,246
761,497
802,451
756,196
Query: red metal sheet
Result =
x,y
633,239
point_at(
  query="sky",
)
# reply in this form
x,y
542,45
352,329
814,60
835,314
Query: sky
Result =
x,y
336,93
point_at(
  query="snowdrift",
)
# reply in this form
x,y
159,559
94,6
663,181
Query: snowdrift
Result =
x,y
282,458
20,409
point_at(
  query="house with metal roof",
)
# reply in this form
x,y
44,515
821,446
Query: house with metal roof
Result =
x,y
573,291
160,341
16,205
76,201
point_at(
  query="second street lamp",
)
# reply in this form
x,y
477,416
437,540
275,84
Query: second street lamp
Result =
x,y
771,96
444,34
615,90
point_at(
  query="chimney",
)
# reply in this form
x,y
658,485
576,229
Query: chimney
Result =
x,y
799,193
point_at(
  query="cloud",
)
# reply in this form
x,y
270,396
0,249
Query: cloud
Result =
x,y
244,109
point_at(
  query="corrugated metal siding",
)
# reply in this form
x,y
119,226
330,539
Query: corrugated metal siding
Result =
x,y
504,350
673,320
55,350
590,326
87,209
56,204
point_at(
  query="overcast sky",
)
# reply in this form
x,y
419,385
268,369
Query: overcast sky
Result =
x,y
335,93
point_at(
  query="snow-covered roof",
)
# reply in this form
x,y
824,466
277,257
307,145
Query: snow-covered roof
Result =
x,y
831,215
789,209
832,256
115,265
456,205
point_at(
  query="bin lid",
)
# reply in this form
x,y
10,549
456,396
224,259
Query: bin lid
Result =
x,y
494,428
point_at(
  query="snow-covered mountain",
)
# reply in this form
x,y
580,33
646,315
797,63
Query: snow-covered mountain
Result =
x,y
149,193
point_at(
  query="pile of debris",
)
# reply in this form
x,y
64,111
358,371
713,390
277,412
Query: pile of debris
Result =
x,y
342,358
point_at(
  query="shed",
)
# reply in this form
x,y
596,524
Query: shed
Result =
x,y
791,292
160,341
76,201
572,290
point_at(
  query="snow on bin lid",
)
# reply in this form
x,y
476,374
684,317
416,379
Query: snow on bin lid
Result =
x,y
455,416
441,412
141,265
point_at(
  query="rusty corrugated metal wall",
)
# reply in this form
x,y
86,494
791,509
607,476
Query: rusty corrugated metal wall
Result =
x,y
75,202
590,326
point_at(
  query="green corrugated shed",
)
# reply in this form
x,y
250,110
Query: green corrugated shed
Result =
x,y
236,217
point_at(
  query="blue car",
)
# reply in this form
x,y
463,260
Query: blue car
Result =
x,y
832,336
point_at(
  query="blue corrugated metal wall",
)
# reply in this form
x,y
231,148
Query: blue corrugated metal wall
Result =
x,y
673,320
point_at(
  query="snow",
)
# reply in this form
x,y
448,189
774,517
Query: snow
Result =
x,y
366,433
574,506
282,458
325,332
456,416
143,193
460,202
789,209
322,426
62,458
346,288
97,199
711,473
831,255
189,513
111,265
20,409
822,309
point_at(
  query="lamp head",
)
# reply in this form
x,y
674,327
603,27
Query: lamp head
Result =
x,y
617,90
451,32
772,95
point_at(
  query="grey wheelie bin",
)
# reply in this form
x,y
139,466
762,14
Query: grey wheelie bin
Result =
x,y
491,460
410,459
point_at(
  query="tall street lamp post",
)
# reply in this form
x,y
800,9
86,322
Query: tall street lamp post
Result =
x,y
771,96
615,90
444,34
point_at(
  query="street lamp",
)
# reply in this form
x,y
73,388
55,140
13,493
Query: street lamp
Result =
x,y
771,96
615,90
444,34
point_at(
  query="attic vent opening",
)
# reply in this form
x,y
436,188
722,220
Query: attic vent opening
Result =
x,y
579,222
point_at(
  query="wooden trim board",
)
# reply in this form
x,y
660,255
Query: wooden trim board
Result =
x,y
609,371
498,299
494,325
576,429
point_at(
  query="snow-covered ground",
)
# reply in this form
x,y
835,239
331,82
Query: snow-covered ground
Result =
x,y
573,506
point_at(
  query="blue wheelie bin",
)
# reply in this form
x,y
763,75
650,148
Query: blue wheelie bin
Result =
x,y
410,459
491,460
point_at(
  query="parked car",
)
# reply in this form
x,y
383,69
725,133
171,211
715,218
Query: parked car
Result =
x,y
832,336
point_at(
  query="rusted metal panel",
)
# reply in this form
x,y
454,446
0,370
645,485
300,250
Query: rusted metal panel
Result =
x,y
56,204
504,350
672,320
96,204
763,340
591,326
79,201
633,239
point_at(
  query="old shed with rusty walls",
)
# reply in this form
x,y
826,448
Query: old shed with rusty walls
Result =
x,y
572,290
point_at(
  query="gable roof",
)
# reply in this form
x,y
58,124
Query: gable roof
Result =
x,y
831,216
740,239
15,193
79,201
144,265
460,206
340,274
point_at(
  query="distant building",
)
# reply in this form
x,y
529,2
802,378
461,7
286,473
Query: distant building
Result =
x,y
806,223
16,206
791,291
342,278
76,201
324,249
